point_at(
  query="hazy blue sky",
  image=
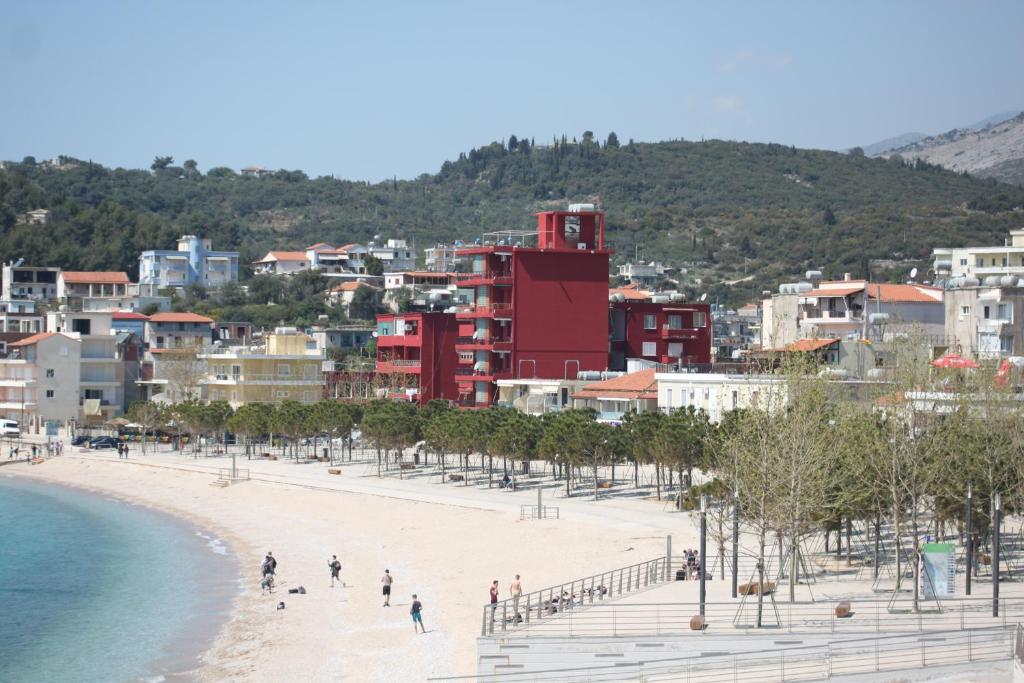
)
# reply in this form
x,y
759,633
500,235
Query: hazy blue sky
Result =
x,y
370,90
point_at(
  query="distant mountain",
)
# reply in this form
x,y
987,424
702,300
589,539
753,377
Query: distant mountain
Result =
x,y
992,120
995,151
878,148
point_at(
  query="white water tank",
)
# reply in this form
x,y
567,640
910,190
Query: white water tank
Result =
x,y
803,287
1008,281
992,281
970,282
813,275
580,208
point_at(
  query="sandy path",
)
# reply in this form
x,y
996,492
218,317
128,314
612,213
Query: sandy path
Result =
x,y
446,553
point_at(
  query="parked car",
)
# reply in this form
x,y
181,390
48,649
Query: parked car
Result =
x,y
80,440
9,428
103,442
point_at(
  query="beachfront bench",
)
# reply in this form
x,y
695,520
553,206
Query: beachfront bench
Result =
x,y
843,610
604,484
454,477
407,466
698,622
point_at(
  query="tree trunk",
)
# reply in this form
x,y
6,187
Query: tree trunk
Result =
x,y
760,577
849,538
794,553
442,467
595,479
657,479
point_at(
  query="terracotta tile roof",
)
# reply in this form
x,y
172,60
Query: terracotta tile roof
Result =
x,y
283,256
352,286
319,245
169,317
835,291
29,341
101,277
905,293
807,345
128,315
636,385
630,293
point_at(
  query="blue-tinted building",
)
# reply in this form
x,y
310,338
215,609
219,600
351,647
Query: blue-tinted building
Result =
x,y
194,262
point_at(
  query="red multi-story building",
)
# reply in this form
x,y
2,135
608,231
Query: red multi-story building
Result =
x,y
674,333
537,304
416,357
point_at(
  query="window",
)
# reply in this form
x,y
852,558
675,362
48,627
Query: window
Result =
x,y
650,349
81,326
284,370
668,398
675,349
699,319
650,322
985,313
675,322
965,310
49,393
1006,312
49,373
963,262
1006,344
281,394
979,262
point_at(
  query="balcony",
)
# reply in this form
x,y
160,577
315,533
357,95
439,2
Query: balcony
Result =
x,y
501,278
399,340
263,378
483,344
398,366
685,333
495,310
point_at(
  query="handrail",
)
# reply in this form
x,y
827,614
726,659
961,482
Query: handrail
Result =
x,y
547,602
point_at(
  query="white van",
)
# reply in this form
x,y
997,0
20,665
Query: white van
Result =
x,y
9,428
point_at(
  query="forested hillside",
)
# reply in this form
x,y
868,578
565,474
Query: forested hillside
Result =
x,y
720,209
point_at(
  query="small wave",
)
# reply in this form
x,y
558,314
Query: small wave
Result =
x,y
214,544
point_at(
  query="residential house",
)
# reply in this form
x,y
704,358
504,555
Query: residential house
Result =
x,y
194,262
395,254
37,217
281,263
641,273
423,289
129,321
288,367
21,316
233,333
715,393
981,262
343,338
441,258
344,294
416,355
613,398
535,396
670,333
255,171
39,378
173,330
38,283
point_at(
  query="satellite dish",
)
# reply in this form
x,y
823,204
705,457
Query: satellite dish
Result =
x,y
913,273
704,296
374,334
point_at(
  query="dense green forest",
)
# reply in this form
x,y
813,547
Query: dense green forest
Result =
x,y
719,209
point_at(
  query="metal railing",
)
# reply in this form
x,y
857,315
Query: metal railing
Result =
x,y
620,620
539,606
237,474
811,662
538,512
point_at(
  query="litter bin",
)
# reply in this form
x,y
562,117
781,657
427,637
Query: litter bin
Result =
x,y
324,452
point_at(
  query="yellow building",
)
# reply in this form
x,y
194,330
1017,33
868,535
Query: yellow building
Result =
x,y
288,368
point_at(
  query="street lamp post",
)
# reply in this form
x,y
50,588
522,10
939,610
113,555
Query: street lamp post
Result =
x,y
970,534
995,557
703,550
735,540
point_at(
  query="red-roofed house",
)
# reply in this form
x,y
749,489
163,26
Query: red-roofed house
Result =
x,y
613,398
850,309
92,285
281,263
169,330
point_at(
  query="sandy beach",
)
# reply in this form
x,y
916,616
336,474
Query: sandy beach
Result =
x,y
443,542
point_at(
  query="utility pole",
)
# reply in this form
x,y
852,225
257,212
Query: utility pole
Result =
x,y
970,534
703,550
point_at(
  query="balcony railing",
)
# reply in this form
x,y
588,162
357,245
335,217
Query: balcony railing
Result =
x,y
495,309
679,332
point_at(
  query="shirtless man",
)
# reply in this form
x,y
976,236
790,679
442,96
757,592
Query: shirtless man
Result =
x,y
516,591
386,581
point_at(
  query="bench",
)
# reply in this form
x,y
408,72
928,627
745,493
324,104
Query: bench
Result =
x,y
843,610
334,470
604,484
407,466
698,622
454,477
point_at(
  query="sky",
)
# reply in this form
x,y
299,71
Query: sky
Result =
x,y
370,91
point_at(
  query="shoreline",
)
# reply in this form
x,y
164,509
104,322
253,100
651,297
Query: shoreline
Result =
x,y
446,553
187,654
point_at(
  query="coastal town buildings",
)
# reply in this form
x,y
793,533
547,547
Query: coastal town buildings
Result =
x,y
281,263
21,316
287,366
37,378
417,357
441,258
671,333
101,385
171,330
193,262
981,261
37,283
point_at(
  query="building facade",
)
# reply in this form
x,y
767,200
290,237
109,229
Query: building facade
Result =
x,y
38,381
30,282
981,262
193,262
673,333
288,367
172,330
101,394
416,356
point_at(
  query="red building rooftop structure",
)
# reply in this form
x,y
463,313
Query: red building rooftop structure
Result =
x,y
534,304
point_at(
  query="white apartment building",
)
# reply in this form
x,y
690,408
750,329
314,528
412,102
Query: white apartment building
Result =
x,y
193,262
38,283
981,262
281,263
441,257
39,380
289,366
21,316
101,379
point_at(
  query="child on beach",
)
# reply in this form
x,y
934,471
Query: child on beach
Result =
x,y
416,612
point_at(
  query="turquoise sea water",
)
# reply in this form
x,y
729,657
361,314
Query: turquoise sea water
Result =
x,y
95,589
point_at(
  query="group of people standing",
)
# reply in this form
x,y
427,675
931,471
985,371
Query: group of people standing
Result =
x,y
515,591
268,569
52,448
122,449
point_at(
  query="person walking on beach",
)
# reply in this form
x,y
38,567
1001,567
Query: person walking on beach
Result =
x,y
125,450
269,567
516,591
386,581
335,567
417,614
120,450
494,597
